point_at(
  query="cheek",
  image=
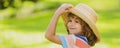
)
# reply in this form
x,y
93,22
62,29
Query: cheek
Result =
x,y
79,27
68,24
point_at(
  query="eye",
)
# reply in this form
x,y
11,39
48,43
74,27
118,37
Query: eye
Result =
x,y
69,20
77,21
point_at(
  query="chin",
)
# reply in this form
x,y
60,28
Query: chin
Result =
x,y
73,33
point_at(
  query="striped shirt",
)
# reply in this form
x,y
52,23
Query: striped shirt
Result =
x,y
74,41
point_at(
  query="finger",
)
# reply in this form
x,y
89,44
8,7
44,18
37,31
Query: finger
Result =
x,y
66,10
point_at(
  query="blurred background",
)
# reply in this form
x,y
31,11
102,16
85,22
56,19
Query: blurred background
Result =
x,y
24,22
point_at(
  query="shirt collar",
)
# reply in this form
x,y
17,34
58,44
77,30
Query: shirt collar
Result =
x,y
82,37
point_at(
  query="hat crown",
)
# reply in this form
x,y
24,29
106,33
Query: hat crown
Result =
x,y
87,11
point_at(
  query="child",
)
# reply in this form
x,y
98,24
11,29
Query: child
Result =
x,y
80,24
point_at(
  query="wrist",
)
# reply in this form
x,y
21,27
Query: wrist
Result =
x,y
56,15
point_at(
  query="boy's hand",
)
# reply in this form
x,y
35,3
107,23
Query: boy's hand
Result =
x,y
63,8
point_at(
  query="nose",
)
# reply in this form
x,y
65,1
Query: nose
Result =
x,y
71,23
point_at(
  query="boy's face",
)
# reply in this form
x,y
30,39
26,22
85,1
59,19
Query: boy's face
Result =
x,y
74,25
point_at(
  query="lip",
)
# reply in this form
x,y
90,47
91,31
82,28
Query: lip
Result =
x,y
72,28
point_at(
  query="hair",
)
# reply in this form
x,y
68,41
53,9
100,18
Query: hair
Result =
x,y
86,31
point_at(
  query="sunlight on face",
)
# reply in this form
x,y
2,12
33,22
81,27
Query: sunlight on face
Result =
x,y
74,25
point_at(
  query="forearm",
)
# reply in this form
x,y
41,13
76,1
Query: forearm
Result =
x,y
52,27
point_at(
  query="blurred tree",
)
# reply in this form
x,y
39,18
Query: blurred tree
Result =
x,y
2,4
29,0
6,3
11,3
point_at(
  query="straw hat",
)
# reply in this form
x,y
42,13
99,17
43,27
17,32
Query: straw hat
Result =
x,y
87,14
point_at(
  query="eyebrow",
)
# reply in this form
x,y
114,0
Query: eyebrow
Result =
x,y
76,18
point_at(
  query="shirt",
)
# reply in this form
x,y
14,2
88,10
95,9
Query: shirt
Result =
x,y
74,41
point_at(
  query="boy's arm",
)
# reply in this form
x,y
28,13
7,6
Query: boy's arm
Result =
x,y
50,33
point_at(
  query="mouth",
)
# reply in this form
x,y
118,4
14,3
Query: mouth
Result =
x,y
72,28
